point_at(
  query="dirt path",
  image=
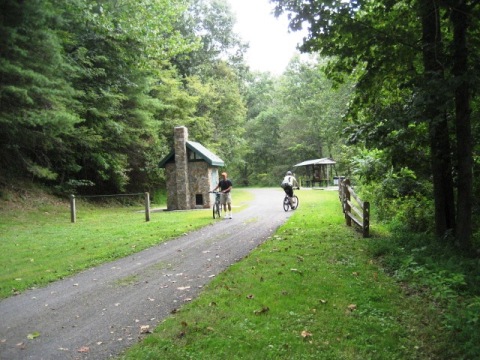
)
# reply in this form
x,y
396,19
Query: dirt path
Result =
x,y
99,312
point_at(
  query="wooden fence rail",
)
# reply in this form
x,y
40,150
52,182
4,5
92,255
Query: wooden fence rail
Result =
x,y
73,208
357,211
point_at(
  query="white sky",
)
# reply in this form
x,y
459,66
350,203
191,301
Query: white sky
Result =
x,y
271,45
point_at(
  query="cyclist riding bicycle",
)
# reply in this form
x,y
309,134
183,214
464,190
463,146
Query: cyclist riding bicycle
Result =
x,y
288,183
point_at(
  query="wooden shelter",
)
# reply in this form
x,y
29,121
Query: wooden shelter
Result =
x,y
317,171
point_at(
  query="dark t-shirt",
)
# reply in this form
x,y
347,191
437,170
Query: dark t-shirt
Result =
x,y
225,184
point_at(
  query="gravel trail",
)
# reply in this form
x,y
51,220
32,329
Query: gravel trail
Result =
x,y
99,312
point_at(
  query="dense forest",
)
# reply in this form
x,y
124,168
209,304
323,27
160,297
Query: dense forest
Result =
x,y
90,92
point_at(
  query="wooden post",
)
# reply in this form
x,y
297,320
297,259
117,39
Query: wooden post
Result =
x,y
366,219
147,206
73,211
340,194
346,200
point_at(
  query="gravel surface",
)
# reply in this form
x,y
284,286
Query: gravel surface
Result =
x,y
100,312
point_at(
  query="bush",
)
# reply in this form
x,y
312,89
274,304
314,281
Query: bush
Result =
x,y
401,198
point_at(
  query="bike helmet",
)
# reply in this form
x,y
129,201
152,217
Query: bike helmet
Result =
x,y
289,173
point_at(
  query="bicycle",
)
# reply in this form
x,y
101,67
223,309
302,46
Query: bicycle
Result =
x,y
217,207
290,202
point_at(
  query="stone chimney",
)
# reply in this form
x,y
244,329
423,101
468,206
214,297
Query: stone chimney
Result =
x,y
181,161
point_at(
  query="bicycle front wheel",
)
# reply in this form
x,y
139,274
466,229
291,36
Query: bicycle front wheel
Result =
x,y
286,203
295,202
216,211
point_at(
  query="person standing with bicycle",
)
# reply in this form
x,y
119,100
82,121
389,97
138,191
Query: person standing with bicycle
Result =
x,y
288,183
225,186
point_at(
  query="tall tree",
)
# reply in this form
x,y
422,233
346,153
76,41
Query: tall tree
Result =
x,y
434,78
37,101
461,13
209,23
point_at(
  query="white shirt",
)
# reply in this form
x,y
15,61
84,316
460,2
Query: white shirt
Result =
x,y
290,180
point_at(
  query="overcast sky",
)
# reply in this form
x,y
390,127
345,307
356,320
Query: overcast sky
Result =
x,y
271,45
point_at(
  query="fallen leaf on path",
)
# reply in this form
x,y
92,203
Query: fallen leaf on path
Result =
x,y
145,329
83,349
33,335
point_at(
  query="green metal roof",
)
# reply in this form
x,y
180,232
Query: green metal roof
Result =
x,y
201,152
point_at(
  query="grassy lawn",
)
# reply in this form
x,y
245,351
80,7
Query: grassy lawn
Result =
x,y
42,245
311,292
314,290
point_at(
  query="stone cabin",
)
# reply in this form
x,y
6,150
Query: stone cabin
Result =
x,y
191,172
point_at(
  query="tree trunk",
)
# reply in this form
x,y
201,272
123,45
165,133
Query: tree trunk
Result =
x,y
438,126
463,127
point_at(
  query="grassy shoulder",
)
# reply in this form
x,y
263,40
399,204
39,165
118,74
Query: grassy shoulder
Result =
x,y
39,244
312,291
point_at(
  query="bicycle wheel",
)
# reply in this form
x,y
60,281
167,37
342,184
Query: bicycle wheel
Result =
x,y
219,211
295,202
216,210
286,203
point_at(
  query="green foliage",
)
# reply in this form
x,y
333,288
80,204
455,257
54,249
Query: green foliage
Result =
x,y
441,273
88,91
369,165
37,100
396,196
293,118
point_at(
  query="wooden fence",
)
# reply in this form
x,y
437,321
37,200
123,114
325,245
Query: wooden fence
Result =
x,y
357,211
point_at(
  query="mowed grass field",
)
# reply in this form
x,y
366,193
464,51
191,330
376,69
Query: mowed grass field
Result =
x,y
311,291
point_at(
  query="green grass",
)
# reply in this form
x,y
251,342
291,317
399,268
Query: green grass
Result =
x,y
41,246
315,290
312,291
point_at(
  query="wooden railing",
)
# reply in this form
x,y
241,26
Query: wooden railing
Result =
x,y
357,211
73,207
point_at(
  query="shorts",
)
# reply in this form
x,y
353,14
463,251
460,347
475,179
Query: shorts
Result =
x,y
288,190
226,198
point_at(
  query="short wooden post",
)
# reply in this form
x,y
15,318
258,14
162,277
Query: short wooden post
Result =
x,y
366,219
147,206
346,199
73,210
